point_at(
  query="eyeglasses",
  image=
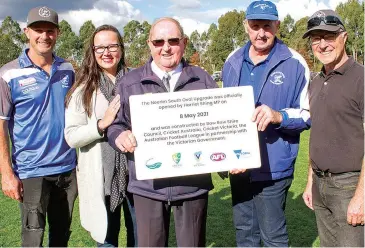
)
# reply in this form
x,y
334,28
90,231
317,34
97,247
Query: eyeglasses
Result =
x,y
328,20
111,48
171,41
331,37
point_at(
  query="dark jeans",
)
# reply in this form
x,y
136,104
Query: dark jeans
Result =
x,y
331,197
112,234
153,221
52,196
258,211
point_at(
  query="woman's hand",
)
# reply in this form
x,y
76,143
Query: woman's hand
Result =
x,y
110,113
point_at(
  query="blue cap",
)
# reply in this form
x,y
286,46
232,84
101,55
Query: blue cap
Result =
x,y
262,10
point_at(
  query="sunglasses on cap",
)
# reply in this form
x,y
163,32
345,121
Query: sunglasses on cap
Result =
x,y
328,20
171,41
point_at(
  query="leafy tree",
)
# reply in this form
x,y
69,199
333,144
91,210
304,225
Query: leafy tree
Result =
x,y
205,41
12,40
85,32
12,28
8,49
189,51
135,42
352,14
229,36
68,45
195,40
286,28
302,46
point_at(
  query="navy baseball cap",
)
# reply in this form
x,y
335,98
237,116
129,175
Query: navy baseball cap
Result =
x,y
262,10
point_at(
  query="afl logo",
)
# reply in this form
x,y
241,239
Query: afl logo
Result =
x,y
219,156
44,12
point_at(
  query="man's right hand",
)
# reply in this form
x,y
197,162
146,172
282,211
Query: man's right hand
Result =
x,y
126,142
12,186
307,195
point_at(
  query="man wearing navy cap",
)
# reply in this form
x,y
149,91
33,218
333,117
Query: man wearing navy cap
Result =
x,y
335,188
279,77
40,174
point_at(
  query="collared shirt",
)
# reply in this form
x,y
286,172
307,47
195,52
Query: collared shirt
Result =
x,y
33,103
337,114
174,74
251,74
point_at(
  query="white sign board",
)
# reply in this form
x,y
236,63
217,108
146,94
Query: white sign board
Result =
x,y
194,132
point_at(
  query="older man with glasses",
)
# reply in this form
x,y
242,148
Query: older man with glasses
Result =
x,y
166,71
335,188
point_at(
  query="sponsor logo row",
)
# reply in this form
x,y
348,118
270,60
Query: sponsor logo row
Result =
x,y
215,157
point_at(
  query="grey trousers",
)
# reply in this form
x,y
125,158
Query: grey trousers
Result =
x,y
153,221
52,196
331,197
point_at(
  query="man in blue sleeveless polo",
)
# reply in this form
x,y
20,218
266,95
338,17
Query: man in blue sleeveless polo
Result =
x,y
41,171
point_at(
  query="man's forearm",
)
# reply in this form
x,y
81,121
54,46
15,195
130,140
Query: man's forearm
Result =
x,y
5,164
310,172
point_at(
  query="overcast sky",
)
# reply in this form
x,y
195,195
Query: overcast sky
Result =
x,y
193,14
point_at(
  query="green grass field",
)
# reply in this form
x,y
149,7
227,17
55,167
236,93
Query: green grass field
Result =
x,y
220,231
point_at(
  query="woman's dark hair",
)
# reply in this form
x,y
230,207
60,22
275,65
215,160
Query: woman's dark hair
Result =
x,y
89,72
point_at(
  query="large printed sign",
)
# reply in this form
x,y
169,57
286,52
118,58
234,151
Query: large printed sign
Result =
x,y
194,132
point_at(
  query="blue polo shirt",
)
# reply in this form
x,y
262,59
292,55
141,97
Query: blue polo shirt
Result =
x,y
33,104
252,74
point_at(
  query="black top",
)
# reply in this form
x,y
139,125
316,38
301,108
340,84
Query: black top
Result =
x,y
337,113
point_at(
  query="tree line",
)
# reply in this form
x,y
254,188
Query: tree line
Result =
x,y
208,50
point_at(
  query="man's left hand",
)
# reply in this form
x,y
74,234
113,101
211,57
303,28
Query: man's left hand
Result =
x,y
355,211
263,115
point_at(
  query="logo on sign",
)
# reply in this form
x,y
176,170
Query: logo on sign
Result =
x,y
218,156
242,154
151,164
176,157
197,156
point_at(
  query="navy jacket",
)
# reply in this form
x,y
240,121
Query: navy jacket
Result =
x,y
285,89
141,81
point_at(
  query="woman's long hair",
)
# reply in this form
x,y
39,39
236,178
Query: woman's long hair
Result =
x,y
89,73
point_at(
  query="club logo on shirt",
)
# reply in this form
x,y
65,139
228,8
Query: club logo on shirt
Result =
x,y
277,77
65,81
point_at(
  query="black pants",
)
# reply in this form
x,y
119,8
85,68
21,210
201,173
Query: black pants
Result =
x,y
153,221
52,196
112,235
